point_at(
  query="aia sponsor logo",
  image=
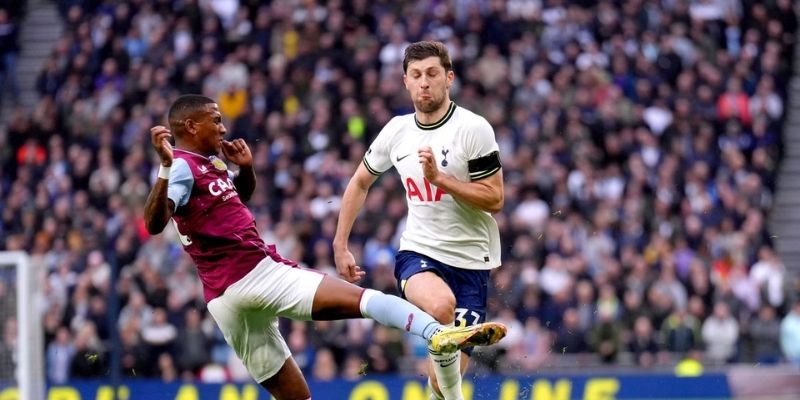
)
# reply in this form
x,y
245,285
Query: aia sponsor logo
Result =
x,y
424,191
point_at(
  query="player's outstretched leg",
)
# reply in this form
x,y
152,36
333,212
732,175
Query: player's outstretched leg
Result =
x,y
337,299
394,311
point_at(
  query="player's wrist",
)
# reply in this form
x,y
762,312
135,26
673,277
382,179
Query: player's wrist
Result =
x,y
339,246
438,180
163,171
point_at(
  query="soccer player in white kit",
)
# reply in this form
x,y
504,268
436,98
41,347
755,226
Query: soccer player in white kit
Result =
x,y
449,164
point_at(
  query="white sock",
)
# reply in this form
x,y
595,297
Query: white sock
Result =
x,y
434,395
447,368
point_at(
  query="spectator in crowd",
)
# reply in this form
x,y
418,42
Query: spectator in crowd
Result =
x,y
638,153
9,51
643,344
533,350
765,332
167,371
192,343
324,368
790,335
354,367
137,312
768,275
59,356
159,335
605,337
720,333
680,332
571,338
90,359
135,360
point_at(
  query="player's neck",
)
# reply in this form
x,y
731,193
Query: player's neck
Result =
x,y
188,147
435,116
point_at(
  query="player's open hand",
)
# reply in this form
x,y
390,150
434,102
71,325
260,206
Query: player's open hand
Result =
x,y
428,162
159,136
346,266
237,152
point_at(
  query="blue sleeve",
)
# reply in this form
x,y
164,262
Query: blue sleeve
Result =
x,y
180,183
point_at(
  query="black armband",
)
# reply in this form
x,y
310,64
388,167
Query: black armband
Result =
x,y
484,167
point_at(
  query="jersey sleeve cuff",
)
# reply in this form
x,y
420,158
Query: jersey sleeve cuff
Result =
x,y
484,174
371,170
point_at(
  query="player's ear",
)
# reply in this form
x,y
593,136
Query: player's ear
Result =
x,y
190,126
451,77
405,81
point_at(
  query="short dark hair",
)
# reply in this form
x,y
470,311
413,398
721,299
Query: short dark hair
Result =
x,y
185,106
422,50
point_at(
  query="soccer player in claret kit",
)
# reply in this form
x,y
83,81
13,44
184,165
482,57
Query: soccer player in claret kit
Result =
x,y
449,164
247,285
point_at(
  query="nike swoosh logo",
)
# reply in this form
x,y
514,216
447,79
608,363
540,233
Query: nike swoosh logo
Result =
x,y
401,158
448,364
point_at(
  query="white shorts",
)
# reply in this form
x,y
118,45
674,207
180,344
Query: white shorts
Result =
x,y
247,313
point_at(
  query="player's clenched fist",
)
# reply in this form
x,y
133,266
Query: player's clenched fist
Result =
x,y
159,136
237,152
428,162
346,266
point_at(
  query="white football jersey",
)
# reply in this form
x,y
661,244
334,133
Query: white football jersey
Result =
x,y
438,225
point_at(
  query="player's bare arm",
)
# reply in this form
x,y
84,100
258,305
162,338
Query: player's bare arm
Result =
x,y
353,199
485,194
238,152
158,208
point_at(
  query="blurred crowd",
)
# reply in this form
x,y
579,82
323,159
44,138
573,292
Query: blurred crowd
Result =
x,y
639,141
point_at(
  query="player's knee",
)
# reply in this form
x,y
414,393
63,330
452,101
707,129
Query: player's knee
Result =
x,y
443,310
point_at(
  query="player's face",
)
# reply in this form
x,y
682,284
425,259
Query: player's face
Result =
x,y
210,129
428,83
